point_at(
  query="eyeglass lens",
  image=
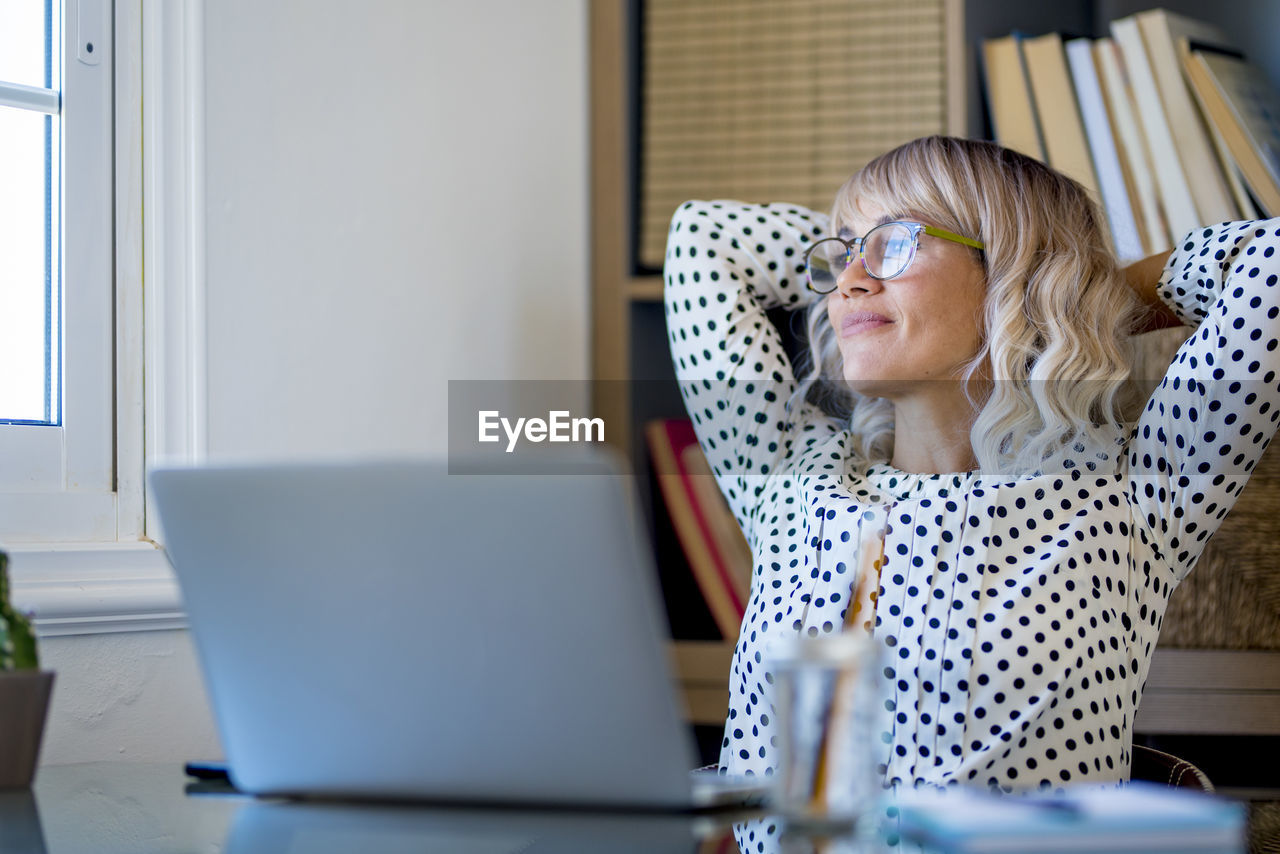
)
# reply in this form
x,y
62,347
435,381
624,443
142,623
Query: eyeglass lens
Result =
x,y
887,250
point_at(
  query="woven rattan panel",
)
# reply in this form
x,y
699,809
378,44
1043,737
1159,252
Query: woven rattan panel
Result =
x,y
767,101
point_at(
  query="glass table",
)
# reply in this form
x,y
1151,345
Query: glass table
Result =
x,y
107,808
131,808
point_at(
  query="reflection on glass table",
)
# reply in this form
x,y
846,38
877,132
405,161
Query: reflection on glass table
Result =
x,y
128,808
125,808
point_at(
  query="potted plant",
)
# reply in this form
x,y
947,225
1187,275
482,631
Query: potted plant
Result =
x,y
24,692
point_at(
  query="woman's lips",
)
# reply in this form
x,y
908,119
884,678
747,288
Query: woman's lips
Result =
x,y
861,321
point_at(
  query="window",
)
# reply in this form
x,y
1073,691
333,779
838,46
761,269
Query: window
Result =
x,y
30,137
129,186
56,405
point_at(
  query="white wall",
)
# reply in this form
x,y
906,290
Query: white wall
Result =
x,y
397,197
130,696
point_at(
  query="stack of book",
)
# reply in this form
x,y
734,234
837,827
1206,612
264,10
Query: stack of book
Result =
x,y
1164,122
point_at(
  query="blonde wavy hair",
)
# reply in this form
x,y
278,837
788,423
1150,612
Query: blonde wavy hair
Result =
x,y
1056,318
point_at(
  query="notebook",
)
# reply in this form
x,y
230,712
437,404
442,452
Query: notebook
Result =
x,y
388,630
1139,817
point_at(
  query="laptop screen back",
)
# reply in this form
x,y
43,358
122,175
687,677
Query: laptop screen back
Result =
x,y
391,630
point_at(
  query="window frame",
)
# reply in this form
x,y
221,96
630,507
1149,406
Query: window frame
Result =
x,y
118,579
57,480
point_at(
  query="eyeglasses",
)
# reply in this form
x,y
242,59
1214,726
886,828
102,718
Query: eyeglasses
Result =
x,y
886,251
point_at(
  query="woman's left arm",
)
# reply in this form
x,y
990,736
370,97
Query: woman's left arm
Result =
x,y
1208,422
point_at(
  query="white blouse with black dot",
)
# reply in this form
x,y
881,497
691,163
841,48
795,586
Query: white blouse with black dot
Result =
x,y
1019,613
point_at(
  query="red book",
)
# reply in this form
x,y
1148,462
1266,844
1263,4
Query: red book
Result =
x,y
712,541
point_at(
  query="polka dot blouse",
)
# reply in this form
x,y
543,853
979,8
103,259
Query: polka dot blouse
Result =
x,y
1018,614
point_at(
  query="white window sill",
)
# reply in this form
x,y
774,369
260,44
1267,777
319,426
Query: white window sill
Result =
x,y
95,588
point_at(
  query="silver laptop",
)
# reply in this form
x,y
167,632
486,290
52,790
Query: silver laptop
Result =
x,y
394,631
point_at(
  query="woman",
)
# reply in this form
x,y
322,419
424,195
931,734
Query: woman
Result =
x,y
964,410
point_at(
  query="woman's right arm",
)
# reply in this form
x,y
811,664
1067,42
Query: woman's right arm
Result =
x,y
726,264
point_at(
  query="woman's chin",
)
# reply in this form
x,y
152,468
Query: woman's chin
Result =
x,y
897,387
874,386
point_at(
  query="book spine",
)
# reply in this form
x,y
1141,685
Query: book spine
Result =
x,y
1009,96
1235,178
1242,106
1175,193
1056,107
1106,159
1131,147
1209,191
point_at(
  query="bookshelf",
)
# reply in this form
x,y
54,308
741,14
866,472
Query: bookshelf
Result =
x,y
630,360
629,347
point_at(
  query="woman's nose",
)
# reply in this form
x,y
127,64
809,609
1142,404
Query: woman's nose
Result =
x,y
855,279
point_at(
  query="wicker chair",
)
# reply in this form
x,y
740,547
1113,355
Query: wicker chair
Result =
x,y
1156,766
